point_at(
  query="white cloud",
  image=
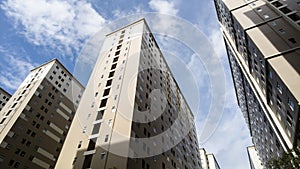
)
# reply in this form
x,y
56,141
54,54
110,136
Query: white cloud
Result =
x,y
14,69
58,25
163,6
118,13
230,140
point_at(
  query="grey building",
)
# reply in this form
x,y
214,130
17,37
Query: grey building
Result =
x,y
132,113
36,119
262,40
4,97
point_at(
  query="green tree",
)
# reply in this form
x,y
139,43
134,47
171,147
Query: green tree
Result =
x,y
287,161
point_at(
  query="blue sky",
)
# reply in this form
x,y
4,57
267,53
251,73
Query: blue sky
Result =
x,y
35,31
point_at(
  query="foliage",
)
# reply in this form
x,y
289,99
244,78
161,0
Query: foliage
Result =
x,y
287,161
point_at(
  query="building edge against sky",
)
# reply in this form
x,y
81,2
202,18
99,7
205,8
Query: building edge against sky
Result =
x,y
4,97
208,161
37,117
262,41
254,160
114,124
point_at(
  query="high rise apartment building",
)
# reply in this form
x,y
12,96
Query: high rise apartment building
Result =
x,y
35,121
263,45
132,113
254,160
208,161
4,97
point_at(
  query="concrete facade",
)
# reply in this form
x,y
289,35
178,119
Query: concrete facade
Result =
x,y
262,41
208,161
132,113
254,160
35,121
4,97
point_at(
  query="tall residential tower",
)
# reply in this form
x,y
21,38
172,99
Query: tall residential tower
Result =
x,y
132,114
36,119
262,39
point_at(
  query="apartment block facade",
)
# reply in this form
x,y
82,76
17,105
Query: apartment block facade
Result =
x,y
132,113
208,161
35,121
262,40
4,97
254,160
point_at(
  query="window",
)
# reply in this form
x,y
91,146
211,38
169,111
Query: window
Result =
x,y
100,115
74,161
259,9
84,129
106,92
103,103
289,115
113,66
2,121
1,158
143,164
282,31
14,105
22,154
79,144
96,128
17,151
278,102
115,59
87,161
102,155
109,122
266,16
285,10
119,47
291,104
109,82
117,53
111,74
279,87
292,40
294,17
28,143
106,138
11,162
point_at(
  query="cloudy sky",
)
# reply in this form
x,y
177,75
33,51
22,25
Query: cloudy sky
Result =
x,y
36,31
